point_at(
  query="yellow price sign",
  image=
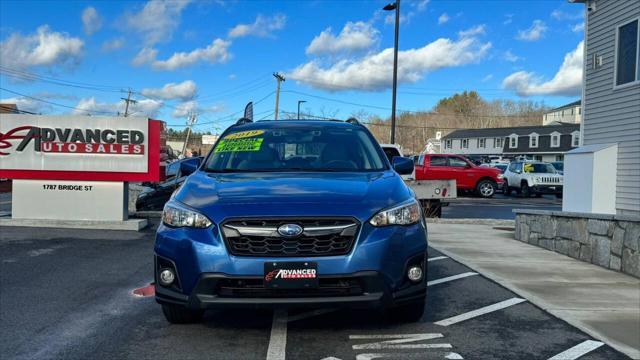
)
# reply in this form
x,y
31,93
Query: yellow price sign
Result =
x,y
244,134
238,145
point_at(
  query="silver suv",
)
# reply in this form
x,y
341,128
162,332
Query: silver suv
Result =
x,y
532,178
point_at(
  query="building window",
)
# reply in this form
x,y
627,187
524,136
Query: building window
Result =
x,y
575,139
555,140
533,140
513,141
497,142
537,157
627,53
559,157
465,143
481,143
447,144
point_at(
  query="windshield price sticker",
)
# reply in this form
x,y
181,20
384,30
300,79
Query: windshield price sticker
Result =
x,y
239,145
244,134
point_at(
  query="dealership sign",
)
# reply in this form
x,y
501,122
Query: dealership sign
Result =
x,y
79,148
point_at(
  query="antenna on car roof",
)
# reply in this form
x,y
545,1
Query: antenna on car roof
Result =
x,y
243,121
353,121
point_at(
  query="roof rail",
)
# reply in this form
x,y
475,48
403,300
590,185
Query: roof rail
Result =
x,y
353,121
243,121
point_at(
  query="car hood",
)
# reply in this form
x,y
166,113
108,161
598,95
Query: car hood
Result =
x,y
360,195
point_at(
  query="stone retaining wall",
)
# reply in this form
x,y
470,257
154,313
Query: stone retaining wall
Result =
x,y
610,241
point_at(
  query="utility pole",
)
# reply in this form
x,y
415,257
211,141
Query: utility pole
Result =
x,y
127,101
394,6
190,122
300,102
279,78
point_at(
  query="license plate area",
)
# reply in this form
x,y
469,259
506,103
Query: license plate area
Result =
x,y
290,275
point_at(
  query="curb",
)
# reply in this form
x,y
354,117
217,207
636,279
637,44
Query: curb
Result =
x,y
490,222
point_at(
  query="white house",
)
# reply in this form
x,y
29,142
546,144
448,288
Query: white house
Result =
x,y
546,143
566,114
610,159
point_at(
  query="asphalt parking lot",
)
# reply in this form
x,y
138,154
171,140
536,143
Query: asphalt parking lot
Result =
x,y
68,294
497,207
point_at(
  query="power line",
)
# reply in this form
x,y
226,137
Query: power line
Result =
x,y
56,104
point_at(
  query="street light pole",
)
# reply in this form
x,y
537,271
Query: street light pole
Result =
x,y
299,102
394,6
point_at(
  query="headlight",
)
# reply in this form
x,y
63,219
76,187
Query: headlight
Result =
x,y
176,216
536,179
500,176
404,214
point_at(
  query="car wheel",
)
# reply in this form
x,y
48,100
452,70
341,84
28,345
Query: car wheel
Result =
x,y
506,190
524,190
486,188
411,312
177,314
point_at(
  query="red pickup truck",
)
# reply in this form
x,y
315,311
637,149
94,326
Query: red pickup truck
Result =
x,y
485,181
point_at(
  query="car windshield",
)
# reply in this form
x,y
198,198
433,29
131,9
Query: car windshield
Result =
x,y
296,149
539,168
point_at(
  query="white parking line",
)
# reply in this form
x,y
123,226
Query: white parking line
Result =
x,y
278,341
479,312
578,350
437,258
398,341
450,278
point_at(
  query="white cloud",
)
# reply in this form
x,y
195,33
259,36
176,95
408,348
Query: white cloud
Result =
x,y
216,52
474,31
577,28
566,82
508,19
374,71
487,77
185,108
91,21
27,104
145,107
356,36
561,15
157,20
44,48
534,33
421,5
262,27
184,91
113,44
145,56
444,18
511,57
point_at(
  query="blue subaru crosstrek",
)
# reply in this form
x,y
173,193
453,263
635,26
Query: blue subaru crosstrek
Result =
x,y
292,213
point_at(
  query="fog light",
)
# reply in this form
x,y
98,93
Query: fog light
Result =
x,y
414,273
167,277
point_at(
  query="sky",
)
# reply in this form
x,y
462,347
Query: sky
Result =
x,y
211,57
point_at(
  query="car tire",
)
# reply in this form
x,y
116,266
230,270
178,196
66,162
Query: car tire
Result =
x,y
524,190
410,312
486,188
176,314
506,189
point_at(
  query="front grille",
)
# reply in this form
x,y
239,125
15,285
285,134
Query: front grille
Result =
x,y
551,180
320,237
254,288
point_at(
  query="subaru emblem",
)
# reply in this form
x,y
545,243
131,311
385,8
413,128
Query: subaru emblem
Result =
x,y
290,230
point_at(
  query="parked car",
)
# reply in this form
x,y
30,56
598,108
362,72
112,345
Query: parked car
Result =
x,y
154,196
485,181
392,151
533,178
249,229
500,166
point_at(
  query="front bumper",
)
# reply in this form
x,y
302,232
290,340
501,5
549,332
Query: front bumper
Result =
x,y
372,274
546,189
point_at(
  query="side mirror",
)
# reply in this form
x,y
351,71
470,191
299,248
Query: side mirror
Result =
x,y
403,165
188,167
